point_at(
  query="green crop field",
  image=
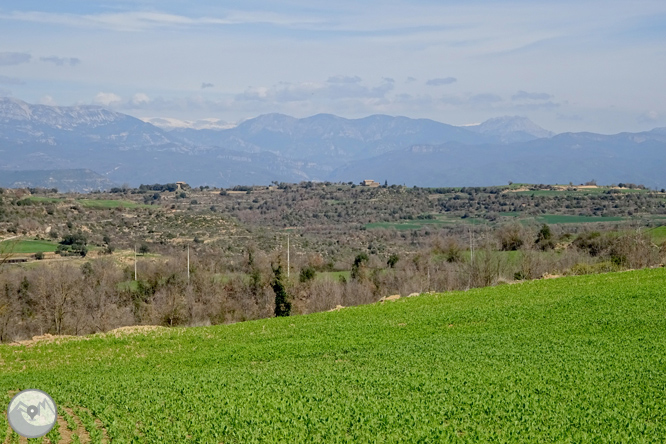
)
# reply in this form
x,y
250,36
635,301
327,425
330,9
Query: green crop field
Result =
x,y
91,203
42,199
110,203
567,219
576,359
658,234
27,246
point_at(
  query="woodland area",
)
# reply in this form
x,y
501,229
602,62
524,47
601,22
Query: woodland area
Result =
x,y
348,245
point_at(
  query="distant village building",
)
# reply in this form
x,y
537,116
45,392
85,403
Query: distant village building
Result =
x,y
370,183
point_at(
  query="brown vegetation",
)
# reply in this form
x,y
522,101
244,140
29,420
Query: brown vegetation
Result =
x,y
237,242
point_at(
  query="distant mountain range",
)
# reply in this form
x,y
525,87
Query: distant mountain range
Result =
x,y
509,129
99,148
83,180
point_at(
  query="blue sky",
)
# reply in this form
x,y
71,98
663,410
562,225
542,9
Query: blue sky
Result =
x,y
568,65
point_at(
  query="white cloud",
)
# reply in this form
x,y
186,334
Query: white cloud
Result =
x,y
649,117
524,95
147,20
140,99
338,58
441,81
107,99
344,79
61,61
47,100
335,88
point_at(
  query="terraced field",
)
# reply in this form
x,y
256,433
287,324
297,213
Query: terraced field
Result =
x,y
576,359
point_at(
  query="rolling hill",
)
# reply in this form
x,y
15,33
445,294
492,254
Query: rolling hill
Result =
x,y
572,359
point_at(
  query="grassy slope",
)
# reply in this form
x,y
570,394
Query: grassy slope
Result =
x,y
92,203
27,246
110,203
566,219
658,234
580,359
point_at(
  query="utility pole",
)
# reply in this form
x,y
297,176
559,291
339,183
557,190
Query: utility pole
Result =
x,y
471,245
288,256
135,262
188,263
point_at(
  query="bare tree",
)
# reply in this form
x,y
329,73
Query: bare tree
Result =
x,y
7,248
55,289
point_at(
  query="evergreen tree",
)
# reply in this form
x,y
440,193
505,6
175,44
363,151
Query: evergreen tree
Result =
x,y
282,304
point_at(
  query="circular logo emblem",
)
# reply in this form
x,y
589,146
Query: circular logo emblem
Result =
x,y
32,413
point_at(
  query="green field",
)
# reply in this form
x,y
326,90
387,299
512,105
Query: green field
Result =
x,y
92,203
568,219
579,191
564,218
42,199
658,234
110,203
576,359
27,246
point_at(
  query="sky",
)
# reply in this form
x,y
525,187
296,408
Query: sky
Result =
x,y
568,65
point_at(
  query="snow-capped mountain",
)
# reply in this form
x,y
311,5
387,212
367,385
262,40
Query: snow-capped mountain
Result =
x,y
70,117
24,123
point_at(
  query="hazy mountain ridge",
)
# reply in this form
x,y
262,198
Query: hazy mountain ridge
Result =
x,y
510,129
564,158
327,138
81,180
270,147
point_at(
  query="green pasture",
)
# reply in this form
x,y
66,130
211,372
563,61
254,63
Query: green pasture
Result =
x,y
110,203
569,219
91,203
658,234
27,246
42,199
